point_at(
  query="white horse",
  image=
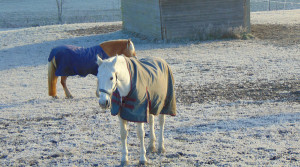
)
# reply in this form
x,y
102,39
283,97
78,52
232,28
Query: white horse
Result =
x,y
116,75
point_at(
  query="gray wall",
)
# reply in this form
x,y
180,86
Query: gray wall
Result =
x,y
142,17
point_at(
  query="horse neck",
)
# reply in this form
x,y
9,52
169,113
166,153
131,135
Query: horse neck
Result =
x,y
123,82
113,48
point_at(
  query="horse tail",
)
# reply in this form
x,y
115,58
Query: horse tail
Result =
x,y
52,78
170,101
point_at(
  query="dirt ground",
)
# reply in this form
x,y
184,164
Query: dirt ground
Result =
x,y
96,30
281,35
259,91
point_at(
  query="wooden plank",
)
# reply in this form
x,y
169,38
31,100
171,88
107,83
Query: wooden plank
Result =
x,y
181,18
247,15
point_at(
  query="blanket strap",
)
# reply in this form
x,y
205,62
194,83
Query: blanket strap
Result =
x,y
123,104
128,99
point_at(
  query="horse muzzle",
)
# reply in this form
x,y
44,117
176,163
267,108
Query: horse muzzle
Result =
x,y
105,104
105,99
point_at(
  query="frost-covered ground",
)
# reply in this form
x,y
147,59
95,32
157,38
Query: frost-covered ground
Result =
x,y
237,102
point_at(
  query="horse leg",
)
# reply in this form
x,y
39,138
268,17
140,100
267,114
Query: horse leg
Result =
x,y
52,79
141,136
151,147
97,90
124,133
161,147
64,85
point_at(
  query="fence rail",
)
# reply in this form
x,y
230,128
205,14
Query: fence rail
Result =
x,y
265,5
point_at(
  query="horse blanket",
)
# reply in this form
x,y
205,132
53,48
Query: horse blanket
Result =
x,y
152,86
72,60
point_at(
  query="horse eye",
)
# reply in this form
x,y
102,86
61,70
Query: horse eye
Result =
x,y
111,78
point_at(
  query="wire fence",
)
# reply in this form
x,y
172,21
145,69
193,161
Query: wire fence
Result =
x,y
20,13
256,5
268,5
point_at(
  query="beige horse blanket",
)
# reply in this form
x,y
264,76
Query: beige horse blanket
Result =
x,y
152,86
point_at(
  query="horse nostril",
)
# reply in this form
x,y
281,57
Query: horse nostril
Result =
x,y
106,103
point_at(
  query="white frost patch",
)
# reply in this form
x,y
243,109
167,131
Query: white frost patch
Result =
x,y
26,36
276,17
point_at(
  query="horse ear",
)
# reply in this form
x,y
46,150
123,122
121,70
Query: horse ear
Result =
x,y
99,60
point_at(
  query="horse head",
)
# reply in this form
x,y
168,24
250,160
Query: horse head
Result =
x,y
107,80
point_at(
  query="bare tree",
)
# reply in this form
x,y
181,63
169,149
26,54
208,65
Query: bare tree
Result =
x,y
59,4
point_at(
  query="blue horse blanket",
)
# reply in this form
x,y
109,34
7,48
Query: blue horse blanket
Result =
x,y
152,86
73,60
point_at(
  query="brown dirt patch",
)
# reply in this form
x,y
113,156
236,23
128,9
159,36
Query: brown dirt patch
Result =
x,y
259,92
282,35
96,30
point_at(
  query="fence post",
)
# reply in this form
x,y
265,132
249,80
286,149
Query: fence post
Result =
x,y
284,5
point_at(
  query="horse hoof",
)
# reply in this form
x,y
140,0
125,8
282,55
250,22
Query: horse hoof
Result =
x,y
161,150
55,97
142,163
124,163
69,97
151,150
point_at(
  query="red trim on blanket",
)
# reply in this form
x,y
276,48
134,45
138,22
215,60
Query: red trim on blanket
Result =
x,y
148,98
123,98
127,106
135,121
128,99
149,103
114,101
123,104
116,95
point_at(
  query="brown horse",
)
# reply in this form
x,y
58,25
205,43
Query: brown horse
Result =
x,y
70,60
